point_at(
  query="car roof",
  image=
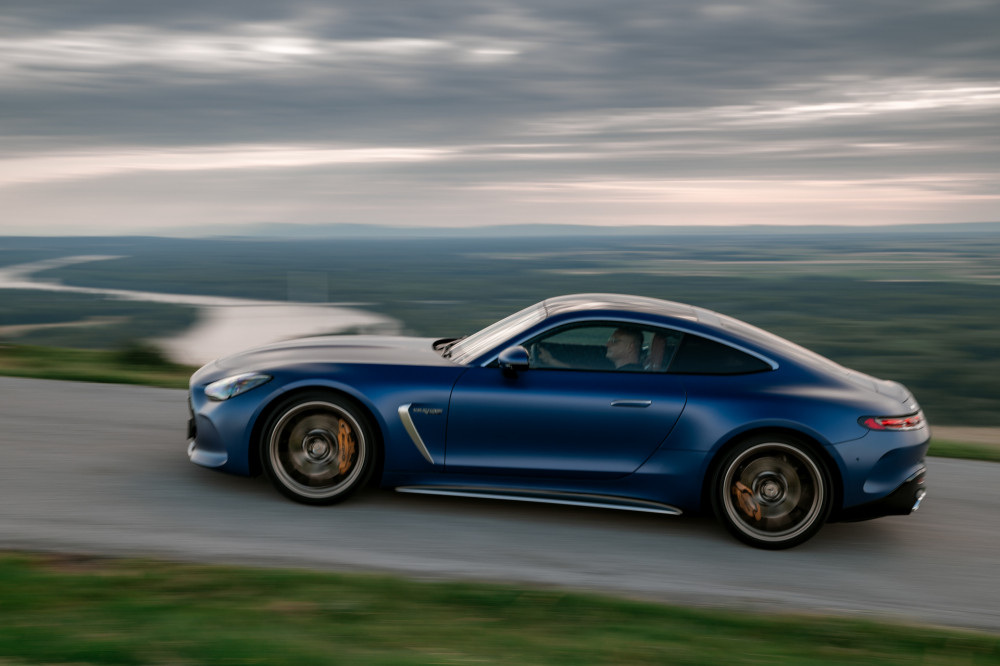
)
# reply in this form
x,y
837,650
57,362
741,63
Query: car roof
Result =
x,y
700,321
623,302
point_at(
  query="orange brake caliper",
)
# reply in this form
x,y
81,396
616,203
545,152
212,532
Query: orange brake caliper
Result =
x,y
744,497
345,438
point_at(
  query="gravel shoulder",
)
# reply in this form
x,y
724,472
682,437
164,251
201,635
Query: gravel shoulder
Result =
x,y
990,436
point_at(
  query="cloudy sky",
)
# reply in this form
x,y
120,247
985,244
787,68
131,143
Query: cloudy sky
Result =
x,y
127,116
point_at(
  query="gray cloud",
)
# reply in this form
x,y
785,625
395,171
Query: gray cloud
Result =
x,y
539,110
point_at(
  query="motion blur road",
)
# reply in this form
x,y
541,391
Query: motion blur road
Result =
x,y
102,469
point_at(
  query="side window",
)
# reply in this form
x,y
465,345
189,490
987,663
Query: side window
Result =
x,y
573,348
700,356
605,347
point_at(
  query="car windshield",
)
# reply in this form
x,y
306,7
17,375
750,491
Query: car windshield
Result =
x,y
468,348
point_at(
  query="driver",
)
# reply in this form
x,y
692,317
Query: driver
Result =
x,y
624,347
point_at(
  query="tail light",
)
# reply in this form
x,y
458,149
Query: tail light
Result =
x,y
894,423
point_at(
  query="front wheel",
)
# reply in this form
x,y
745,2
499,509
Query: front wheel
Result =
x,y
772,492
318,449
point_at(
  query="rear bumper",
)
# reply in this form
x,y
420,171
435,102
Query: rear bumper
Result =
x,y
901,502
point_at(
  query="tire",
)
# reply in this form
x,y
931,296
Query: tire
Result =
x,y
772,492
318,448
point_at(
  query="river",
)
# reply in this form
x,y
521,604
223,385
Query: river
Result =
x,y
225,325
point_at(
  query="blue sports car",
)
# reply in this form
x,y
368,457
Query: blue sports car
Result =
x,y
593,400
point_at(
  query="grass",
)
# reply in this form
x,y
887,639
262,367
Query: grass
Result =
x,y
964,450
69,610
133,363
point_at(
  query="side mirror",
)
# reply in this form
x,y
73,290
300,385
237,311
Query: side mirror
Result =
x,y
514,359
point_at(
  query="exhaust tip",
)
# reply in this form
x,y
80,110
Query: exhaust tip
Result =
x,y
919,497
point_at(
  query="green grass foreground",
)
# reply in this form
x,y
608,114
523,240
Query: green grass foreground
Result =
x,y
964,450
134,364
70,610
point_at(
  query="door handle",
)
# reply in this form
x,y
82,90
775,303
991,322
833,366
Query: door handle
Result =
x,y
631,403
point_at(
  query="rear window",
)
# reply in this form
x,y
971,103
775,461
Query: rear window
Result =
x,y
700,356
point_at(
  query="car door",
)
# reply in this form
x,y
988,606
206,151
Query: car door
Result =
x,y
560,421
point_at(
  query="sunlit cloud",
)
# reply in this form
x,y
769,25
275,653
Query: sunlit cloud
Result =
x,y
124,46
880,102
939,188
876,99
247,48
42,168
39,168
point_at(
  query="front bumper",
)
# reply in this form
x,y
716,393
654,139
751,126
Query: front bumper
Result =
x,y
206,446
901,502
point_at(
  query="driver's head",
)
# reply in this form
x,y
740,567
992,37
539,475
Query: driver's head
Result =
x,y
624,346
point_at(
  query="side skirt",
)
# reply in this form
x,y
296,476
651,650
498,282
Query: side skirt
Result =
x,y
545,497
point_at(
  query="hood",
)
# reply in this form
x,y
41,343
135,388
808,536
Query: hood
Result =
x,y
378,349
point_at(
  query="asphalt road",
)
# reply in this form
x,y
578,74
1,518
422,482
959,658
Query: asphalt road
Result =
x,y
102,469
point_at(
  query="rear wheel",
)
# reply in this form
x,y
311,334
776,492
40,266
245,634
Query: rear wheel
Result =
x,y
772,492
318,449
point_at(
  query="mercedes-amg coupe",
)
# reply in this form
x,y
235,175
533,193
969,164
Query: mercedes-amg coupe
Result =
x,y
598,400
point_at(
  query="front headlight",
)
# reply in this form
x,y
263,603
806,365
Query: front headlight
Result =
x,y
224,389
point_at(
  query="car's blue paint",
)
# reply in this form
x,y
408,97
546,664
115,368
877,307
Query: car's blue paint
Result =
x,y
559,423
570,430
